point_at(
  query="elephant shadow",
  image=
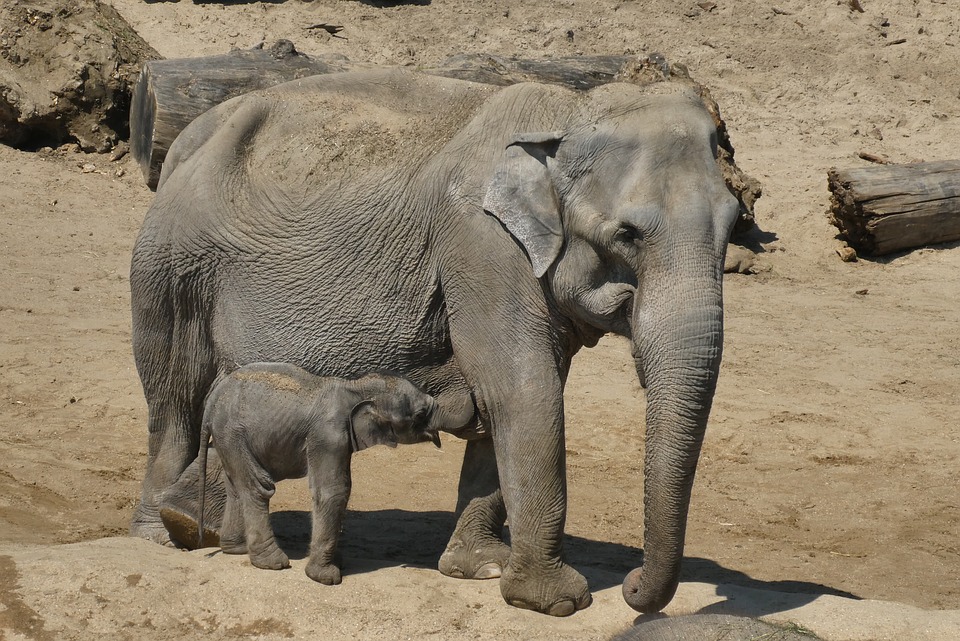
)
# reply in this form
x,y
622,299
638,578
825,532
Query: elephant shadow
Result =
x,y
373,540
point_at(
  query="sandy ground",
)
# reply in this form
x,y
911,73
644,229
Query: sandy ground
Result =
x,y
831,463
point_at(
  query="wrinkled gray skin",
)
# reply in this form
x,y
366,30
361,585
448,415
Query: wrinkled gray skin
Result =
x,y
712,627
274,421
471,238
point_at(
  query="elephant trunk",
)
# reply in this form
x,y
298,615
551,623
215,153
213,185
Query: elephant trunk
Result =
x,y
678,341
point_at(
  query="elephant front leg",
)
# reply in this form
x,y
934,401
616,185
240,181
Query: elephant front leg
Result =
x,y
476,549
530,456
330,485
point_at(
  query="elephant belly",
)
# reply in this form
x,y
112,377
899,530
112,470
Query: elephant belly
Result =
x,y
318,330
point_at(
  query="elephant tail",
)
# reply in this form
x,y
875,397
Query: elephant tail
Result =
x,y
202,455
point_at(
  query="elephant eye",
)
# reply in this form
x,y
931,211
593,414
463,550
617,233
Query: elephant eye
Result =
x,y
627,234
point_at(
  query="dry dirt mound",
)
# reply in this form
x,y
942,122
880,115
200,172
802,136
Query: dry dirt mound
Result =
x,y
131,589
66,71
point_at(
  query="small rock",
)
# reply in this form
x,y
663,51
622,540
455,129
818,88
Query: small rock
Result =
x,y
88,168
862,292
740,260
847,254
119,152
76,288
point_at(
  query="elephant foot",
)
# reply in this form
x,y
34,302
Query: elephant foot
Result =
x,y
272,558
233,547
326,573
146,524
479,561
183,530
179,507
559,591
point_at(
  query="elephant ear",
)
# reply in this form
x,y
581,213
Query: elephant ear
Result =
x,y
368,428
522,196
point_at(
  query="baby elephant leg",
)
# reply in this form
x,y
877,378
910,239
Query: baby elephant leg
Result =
x,y
261,544
233,537
254,488
330,485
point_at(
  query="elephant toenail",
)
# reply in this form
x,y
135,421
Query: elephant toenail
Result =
x,y
562,609
488,571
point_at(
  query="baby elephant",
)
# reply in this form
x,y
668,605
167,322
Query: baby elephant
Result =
x,y
273,421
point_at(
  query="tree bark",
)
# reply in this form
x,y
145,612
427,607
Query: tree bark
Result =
x,y
889,208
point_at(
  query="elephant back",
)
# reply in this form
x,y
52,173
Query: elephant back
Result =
x,y
324,126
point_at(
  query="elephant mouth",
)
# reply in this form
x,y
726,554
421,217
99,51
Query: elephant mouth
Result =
x,y
608,309
429,435
622,304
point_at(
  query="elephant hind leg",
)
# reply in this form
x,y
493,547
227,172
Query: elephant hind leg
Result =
x,y
179,505
175,360
476,549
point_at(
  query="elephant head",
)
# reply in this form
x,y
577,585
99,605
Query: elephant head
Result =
x,y
393,411
626,217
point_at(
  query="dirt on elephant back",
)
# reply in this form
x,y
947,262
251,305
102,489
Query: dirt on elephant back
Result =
x,y
830,465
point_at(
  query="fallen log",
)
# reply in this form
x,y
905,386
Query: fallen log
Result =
x,y
171,93
889,208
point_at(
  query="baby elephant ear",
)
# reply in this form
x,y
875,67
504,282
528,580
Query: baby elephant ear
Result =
x,y
368,428
521,195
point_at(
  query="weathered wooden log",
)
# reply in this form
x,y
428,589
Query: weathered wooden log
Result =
x,y
170,93
579,72
888,208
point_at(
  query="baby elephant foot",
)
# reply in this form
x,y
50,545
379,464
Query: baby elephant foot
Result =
x,y
482,561
326,573
557,591
272,558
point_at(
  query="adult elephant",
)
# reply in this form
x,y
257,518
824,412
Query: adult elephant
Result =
x,y
472,238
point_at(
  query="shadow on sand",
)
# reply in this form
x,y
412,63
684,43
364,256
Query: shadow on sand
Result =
x,y
390,538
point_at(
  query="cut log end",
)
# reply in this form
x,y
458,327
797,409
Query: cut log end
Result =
x,y
884,209
143,109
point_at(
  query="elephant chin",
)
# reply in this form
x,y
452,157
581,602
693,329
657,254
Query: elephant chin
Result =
x,y
641,600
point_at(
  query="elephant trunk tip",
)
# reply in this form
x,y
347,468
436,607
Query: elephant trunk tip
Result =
x,y
644,597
